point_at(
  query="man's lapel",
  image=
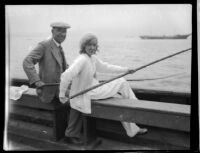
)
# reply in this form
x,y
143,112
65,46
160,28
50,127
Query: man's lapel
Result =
x,y
54,50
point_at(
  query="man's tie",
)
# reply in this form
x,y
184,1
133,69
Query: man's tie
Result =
x,y
63,58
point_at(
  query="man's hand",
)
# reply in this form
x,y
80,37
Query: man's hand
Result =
x,y
39,84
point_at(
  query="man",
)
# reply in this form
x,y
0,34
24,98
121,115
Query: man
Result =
x,y
51,61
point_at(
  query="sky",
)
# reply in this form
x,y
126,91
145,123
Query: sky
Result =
x,y
120,19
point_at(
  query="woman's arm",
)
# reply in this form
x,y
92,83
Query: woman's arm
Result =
x,y
105,67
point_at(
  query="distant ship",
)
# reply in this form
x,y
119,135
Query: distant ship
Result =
x,y
165,37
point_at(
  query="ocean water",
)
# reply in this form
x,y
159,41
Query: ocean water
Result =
x,y
131,52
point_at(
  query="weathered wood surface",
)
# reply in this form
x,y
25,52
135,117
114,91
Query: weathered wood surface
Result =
x,y
173,116
162,137
163,96
144,94
32,113
17,146
27,128
144,104
32,101
40,143
149,113
165,115
29,108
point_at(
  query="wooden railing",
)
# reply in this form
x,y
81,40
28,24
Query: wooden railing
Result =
x,y
167,122
141,93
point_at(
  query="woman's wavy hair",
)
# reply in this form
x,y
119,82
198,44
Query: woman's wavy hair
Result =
x,y
86,40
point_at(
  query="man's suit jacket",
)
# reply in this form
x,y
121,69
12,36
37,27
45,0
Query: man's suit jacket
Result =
x,y
46,53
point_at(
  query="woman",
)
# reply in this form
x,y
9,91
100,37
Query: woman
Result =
x,y
82,73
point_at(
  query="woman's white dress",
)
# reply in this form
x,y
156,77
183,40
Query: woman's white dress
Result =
x,y
104,91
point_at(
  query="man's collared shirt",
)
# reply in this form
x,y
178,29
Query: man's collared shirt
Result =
x,y
57,44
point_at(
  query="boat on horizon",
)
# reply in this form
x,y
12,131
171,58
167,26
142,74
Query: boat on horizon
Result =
x,y
178,36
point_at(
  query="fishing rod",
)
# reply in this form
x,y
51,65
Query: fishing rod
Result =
x,y
122,75
168,76
157,78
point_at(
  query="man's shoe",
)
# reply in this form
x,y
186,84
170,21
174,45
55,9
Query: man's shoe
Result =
x,y
73,140
142,131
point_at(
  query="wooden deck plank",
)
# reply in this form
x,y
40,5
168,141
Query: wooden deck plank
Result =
x,y
31,101
21,128
110,144
136,104
21,143
150,113
33,113
143,112
143,94
144,104
114,129
143,117
41,144
17,146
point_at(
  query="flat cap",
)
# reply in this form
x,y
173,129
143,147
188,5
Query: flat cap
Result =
x,y
59,25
